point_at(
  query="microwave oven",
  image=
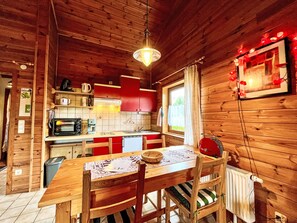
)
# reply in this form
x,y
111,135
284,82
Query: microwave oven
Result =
x,y
66,126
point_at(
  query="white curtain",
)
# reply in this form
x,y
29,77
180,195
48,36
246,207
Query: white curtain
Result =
x,y
193,125
176,115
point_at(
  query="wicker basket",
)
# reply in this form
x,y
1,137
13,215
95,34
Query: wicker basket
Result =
x,y
152,156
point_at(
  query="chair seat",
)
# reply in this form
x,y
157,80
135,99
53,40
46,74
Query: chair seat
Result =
x,y
125,216
182,191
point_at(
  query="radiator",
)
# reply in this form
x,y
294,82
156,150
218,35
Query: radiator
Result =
x,y
240,195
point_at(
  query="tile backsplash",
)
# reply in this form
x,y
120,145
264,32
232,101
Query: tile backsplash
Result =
x,y
108,118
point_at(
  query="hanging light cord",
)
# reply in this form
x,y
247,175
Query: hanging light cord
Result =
x,y
146,31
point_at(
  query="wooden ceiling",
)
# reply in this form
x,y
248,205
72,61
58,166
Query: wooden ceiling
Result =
x,y
118,24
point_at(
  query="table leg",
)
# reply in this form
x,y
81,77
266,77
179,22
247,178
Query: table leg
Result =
x,y
159,204
63,212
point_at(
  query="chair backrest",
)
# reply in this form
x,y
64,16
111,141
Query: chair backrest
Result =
x,y
126,191
217,169
146,142
86,146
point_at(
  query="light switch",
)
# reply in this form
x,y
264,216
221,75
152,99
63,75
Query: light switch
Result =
x,y
21,126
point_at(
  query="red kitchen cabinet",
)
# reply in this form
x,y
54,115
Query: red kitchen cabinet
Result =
x,y
148,100
101,150
117,144
155,145
130,93
107,91
135,99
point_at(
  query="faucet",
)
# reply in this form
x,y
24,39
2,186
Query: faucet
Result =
x,y
139,128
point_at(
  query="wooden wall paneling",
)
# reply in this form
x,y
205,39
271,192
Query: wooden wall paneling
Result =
x,y
116,24
42,69
84,62
10,150
51,59
17,43
267,143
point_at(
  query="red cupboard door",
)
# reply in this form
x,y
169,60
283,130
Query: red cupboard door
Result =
x,y
107,91
130,93
117,144
148,100
101,150
155,145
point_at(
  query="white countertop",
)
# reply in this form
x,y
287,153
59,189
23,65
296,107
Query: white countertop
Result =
x,y
100,135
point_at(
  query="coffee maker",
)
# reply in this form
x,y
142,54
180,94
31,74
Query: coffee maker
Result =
x,y
91,126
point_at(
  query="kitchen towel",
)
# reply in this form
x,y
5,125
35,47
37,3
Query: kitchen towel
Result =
x,y
160,117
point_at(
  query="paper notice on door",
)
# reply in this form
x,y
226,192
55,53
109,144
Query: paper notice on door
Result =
x,y
25,102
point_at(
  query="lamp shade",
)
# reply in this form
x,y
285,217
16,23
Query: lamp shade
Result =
x,y
147,55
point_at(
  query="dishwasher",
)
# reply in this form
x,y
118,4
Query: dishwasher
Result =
x,y
132,143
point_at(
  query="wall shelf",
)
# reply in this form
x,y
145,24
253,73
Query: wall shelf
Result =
x,y
74,96
70,106
54,91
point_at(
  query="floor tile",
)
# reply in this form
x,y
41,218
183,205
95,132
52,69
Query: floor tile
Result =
x,y
11,197
9,220
45,213
48,220
5,205
20,202
1,212
31,208
35,199
27,195
12,212
27,218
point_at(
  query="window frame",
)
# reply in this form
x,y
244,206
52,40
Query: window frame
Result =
x,y
165,106
169,103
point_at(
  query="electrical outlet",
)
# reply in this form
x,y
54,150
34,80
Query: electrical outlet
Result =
x,y
280,218
18,172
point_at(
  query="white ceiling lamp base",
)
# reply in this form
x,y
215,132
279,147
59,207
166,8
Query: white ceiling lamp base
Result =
x,y
147,55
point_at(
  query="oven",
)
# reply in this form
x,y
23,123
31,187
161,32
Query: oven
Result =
x,y
66,126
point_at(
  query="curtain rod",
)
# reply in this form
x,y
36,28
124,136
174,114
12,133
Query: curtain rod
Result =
x,y
200,60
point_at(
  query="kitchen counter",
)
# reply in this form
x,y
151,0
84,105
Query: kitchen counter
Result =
x,y
100,135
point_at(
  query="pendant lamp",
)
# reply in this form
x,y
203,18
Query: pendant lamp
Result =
x,y
146,54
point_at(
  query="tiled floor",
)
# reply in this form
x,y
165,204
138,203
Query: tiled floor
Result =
x,y
3,180
24,208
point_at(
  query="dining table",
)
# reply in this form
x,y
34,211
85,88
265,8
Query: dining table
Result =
x,y
65,189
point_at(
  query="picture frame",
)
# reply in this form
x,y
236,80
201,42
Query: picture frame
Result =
x,y
264,72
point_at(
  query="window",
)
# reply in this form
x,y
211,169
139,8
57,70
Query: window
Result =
x,y
173,104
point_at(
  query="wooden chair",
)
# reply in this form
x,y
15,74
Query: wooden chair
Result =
x,y
86,146
146,142
118,205
196,199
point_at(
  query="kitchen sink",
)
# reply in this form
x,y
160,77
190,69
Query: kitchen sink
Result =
x,y
142,131
107,133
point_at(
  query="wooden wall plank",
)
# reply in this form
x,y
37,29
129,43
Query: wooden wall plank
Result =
x,y
264,139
